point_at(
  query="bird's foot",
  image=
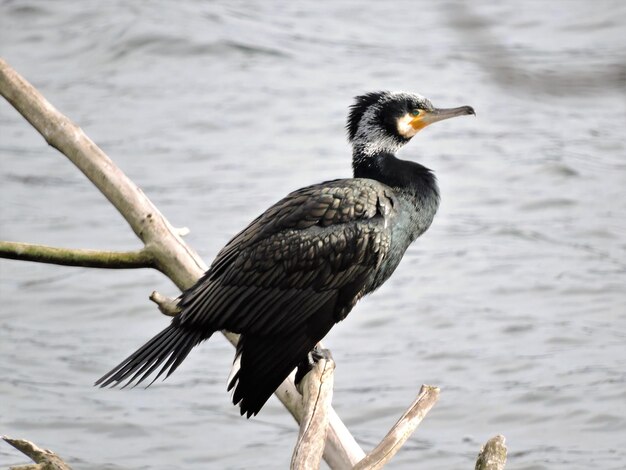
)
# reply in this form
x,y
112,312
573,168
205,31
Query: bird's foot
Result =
x,y
312,358
320,353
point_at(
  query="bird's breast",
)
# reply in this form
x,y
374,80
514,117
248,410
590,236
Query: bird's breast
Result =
x,y
411,219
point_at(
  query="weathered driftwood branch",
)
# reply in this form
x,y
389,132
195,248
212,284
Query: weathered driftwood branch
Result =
x,y
44,459
317,395
167,305
172,255
74,257
175,258
492,455
401,431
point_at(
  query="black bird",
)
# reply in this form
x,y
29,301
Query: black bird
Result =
x,y
300,267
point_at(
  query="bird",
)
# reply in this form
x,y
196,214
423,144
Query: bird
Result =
x,y
301,266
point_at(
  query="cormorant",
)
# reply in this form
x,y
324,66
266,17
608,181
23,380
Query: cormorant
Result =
x,y
300,267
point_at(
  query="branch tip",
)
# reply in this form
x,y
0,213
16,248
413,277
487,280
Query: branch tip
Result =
x,y
492,455
401,431
47,459
167,305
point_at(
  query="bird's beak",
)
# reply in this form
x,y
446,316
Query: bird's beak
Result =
x,y
428,117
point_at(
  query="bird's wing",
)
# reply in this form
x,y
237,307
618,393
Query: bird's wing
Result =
x,y
315,247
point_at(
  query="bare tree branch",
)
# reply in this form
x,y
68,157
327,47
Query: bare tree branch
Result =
x,y
492,455
317,394
172,255
44,459
74,257
401,431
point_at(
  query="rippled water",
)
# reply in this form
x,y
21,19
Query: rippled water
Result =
x,y
513,302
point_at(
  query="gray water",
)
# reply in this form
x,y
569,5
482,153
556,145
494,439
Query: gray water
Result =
x,y
514,302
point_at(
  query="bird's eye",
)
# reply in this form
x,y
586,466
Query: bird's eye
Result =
x,y
415,112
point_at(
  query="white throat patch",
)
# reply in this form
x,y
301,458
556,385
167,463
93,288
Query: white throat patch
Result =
x,y
405,129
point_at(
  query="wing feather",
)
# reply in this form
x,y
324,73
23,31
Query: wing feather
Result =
x,y
275,272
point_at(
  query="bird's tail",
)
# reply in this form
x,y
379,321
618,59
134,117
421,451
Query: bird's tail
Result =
x,y
170,346
261,365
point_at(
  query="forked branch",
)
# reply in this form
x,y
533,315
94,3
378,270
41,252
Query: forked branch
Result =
x,y
172,255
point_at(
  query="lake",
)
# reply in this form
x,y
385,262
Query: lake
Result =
x,y
513,303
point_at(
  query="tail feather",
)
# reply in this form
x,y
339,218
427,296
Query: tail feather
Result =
x,y
265,363
166,351
153,355
173,344
180,353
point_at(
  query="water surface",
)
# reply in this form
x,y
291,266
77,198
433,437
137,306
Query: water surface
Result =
x,y
513,302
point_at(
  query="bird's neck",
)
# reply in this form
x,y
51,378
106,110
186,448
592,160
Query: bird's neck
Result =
x,y
407,177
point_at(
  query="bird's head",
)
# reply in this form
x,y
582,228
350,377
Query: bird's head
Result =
x,y
384,121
